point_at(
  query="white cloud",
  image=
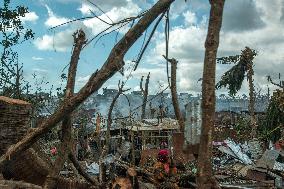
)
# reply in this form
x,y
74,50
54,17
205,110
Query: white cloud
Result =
x,y
105,5
54,20
190,18
116,14
86,9
187,46
61,41
37,58
30,17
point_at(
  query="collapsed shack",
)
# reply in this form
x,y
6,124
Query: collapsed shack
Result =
x,y
148,135
234,166
33,165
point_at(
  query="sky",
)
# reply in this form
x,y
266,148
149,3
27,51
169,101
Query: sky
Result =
x,y
254,23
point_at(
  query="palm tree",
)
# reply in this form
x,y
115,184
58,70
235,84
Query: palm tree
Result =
x,y
233,78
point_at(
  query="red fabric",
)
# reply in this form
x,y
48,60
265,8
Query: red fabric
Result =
x,y
167,168
163,153
53,150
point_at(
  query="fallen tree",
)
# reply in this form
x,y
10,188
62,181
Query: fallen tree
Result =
x,y
113,64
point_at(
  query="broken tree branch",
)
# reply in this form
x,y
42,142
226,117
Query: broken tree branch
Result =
x,y
112,65
109,119
145,94
174,92
66,144
280,85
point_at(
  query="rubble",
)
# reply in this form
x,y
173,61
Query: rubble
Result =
x,y
235,150
236,168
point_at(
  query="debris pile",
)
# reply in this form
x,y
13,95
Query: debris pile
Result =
x,y
247,166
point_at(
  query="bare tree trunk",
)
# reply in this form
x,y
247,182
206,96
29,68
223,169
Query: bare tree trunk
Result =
x,y
109,122
113,64
145,94
109,119
66,144
205,179
174,93
251,102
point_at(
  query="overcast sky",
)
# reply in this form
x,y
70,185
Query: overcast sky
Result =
x,y
254,23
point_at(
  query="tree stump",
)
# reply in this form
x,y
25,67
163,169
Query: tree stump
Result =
x,y
6,184
14,124
14,121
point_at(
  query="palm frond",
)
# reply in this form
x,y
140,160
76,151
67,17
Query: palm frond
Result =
x,y
233,78
229,59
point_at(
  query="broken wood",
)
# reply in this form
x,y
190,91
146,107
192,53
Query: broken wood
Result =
x,y
14,121
113,64
174,92
66,144
11,184
138,170
145,94
109,119
29,166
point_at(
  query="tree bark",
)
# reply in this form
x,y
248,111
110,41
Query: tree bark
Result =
x,y
205,179
109,122
174,93
66,144
14,125
113,64
14,121
109,119
251,101
145,94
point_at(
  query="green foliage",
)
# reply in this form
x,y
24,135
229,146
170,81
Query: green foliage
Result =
x,y
233,78
12,33
242,126
11,27
274,121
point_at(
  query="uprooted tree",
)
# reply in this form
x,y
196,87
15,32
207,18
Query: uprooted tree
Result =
x,y
205,178
113,64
